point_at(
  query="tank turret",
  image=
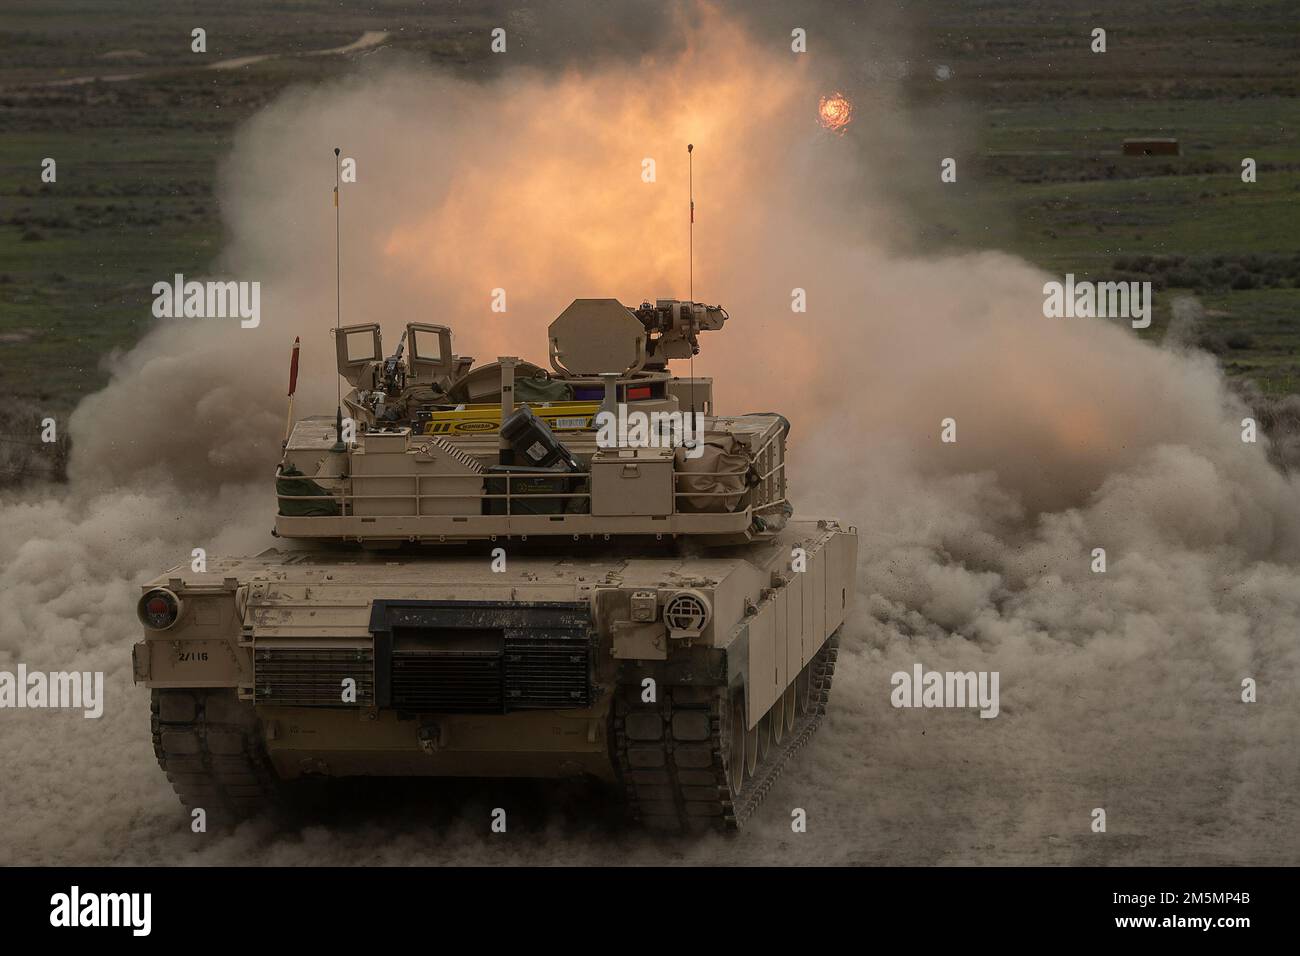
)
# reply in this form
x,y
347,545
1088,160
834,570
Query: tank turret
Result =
x,y
608,442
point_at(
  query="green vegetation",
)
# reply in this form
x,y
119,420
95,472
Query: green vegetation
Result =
x,y
137,159
1049,180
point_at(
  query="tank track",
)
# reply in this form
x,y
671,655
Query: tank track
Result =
x,y
209,745
673,756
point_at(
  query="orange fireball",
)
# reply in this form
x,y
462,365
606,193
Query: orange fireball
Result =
x,y
835,112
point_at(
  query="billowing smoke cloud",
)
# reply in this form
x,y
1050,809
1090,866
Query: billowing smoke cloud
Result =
x,y
1119,690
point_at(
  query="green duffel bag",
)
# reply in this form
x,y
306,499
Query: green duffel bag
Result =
x,y
540,389
293,482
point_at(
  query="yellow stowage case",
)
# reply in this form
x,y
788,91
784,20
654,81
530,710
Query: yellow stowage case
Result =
x,y
478,419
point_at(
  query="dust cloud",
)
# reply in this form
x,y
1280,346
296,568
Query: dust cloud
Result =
x,y
1118,690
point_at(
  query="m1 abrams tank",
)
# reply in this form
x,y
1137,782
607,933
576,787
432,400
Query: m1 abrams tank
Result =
x,y
506,571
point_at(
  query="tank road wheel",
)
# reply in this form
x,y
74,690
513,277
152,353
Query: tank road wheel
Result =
x,y
736,752
767,732
790,707
209,743
751,749
803,690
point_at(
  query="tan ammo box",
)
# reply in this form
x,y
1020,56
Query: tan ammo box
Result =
x,y
389,471
632,481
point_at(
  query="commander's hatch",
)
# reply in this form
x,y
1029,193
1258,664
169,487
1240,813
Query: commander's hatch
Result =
x,y
359,347
429,355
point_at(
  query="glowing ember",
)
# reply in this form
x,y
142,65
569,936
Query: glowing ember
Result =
x,y
835,112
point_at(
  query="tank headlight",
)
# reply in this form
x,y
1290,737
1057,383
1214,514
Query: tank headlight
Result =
x,y
158,609
687,613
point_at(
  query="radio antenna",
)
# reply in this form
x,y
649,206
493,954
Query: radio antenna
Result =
x,y
338,308
690,232
690,259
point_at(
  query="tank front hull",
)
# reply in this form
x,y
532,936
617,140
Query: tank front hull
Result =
x,y
689,679
550,744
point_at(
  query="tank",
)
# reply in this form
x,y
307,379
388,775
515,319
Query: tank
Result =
x,y
505,570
